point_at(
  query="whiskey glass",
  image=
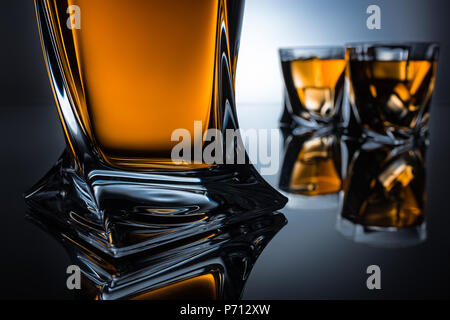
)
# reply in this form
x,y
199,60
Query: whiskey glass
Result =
x,y
125,77
314,81
391,87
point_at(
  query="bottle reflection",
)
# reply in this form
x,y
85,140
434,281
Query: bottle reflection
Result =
x,y
385,193
213,265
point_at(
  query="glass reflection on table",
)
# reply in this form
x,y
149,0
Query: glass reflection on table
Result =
x,y
377,191
385,193
210,266
314,165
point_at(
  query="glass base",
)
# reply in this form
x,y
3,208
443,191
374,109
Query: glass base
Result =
x,y
382,237
122,212
299,124
292,121
397,138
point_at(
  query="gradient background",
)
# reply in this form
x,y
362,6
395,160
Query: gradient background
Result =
x,y
307,258
268,25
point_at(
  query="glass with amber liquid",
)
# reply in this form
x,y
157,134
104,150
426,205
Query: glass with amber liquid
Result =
x,y
134,71
314,85
391,88
126,74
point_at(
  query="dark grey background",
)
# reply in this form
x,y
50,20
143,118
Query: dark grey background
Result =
x,y
23,78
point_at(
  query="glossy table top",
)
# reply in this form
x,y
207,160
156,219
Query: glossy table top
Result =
x,y
307,259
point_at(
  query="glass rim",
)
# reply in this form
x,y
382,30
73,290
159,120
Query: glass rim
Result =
x,y
391,44
309,52
392,51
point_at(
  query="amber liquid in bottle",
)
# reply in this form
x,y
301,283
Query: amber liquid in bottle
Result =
x,y
313,85
136,71
203,287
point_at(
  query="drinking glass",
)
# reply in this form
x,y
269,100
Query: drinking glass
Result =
x,y
391,88
314,81
128,76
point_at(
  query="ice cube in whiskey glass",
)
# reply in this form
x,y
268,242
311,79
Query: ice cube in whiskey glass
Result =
x,y
391,87
314,86
125,78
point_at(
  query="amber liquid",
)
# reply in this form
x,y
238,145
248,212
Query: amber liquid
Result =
x,y
392,93
313,85
137,70
203,287
387,193
314,172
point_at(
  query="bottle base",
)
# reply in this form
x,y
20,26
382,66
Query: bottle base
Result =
x,y
123,212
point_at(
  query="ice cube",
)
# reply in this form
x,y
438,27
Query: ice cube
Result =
x,y
319,101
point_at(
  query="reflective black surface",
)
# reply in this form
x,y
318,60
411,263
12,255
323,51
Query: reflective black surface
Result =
x,y
308,259
207,266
